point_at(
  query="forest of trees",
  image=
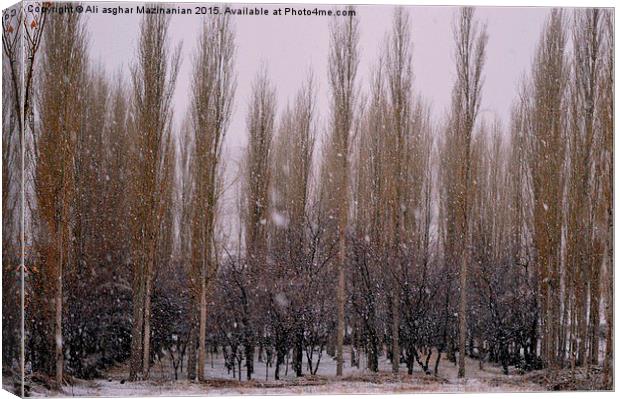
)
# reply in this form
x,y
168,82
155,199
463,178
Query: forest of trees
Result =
x,y
385,232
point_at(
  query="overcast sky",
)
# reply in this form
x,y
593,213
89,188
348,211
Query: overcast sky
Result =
x,y
292,45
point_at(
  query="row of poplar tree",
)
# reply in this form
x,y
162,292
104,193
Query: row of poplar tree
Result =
x,y
392,234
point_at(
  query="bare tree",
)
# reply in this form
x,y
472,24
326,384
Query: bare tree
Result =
x,y
549,77
213,88
153,80
607,123
399,79
260,124
343,63
522,217
292,244
22,33
470,46
583,247
370,215
185,187
55,149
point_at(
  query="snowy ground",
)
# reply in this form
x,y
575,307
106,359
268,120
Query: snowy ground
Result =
x,y
219,382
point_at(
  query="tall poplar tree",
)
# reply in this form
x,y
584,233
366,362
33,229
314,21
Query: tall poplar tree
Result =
x,y
343,63
153,78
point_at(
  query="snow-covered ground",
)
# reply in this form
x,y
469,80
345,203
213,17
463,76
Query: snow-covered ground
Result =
x,y
219,382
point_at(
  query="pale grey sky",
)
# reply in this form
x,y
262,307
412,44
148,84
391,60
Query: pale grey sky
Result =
x,y
292,45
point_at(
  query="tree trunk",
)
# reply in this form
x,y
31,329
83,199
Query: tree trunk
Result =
x,y
191,354
202,331
608,369
279,362
341,299
298,354
249,360
135,365
58,319
462,316
395,330
352,346
436,370
373,352
595,302
146,339
582,332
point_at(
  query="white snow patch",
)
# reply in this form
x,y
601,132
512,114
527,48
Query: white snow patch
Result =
x,y
279,219
356,380
281,300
